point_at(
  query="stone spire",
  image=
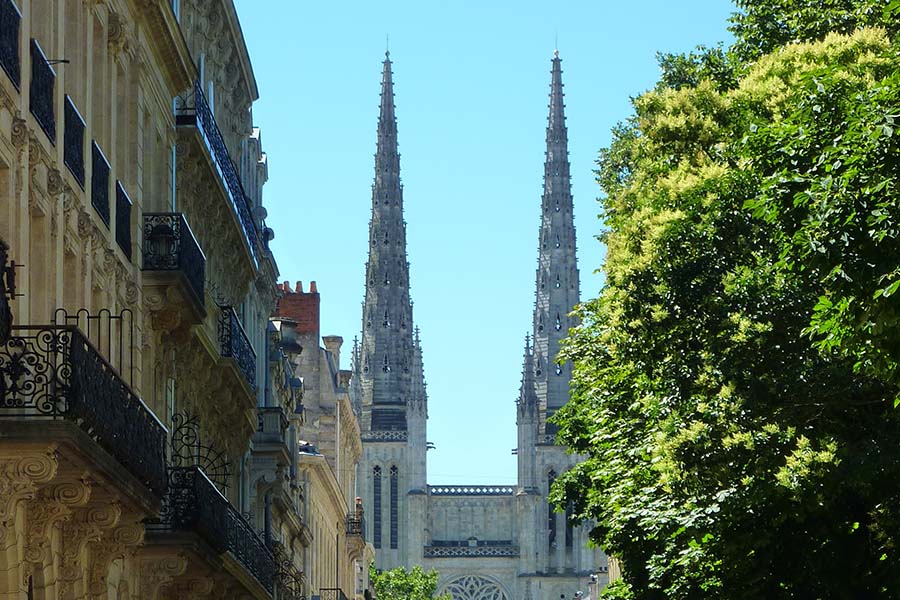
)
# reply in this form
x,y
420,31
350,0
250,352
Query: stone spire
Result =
x,y
385,365
557,285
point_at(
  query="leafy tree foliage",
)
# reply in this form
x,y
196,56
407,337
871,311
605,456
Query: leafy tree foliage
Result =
x,y
734,382
400,584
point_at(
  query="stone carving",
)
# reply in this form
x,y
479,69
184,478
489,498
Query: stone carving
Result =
x,y
473,587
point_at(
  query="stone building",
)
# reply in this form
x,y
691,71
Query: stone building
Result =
x,y
338,556
148,413
487,542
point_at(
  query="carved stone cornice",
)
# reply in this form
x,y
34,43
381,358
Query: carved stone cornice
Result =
x,y
128,533
86,525
157,571
20,477
52,505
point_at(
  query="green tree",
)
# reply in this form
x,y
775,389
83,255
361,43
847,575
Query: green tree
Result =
x,y
400,584
740,433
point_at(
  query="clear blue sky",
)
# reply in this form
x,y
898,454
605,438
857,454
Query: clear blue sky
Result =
x,y
471,83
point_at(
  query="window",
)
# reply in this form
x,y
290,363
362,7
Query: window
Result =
x,y
551,515
394,514
569,533
376,507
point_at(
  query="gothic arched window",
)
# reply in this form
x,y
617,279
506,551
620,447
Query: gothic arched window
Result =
x,y
376,507
474,587
395,516
551,515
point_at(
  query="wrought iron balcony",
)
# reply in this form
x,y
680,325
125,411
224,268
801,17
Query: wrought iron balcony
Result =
x,y
54,372
10,18
123,219
195,504
332,594
170,245
43,79
235,344
99,182
73,141
201,116
356,525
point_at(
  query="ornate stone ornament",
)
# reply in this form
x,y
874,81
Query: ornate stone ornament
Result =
x,y
474,587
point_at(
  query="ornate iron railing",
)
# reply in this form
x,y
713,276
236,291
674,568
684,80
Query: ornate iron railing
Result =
x,y
201,116
10,18
332,594
356,525
170,245
54,372
235,344
195,504
123,220
289,579
470,551
73,141
43,79
385,436
471,490
99,182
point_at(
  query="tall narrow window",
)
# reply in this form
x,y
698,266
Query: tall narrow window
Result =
x,y
376,507
569,533
394,513
551,515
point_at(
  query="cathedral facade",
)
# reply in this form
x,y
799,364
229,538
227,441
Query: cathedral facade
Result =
x,y
489,542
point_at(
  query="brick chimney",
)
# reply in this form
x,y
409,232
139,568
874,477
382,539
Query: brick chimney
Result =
x,y
300,307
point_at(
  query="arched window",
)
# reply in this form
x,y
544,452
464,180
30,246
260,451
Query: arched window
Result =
x,y
376,507
395,517
551,515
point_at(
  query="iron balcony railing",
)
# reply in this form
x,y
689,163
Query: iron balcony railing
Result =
x,y
332,594
236,345
195,504
54,372
43,79
73,141
201,117
99,182
123,219
356,525
10,18
170,245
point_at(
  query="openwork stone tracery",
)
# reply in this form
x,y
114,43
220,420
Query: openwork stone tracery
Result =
x,y
474,587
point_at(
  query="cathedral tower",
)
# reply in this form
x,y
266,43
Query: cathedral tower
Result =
x,y
556,292
550,547
388,386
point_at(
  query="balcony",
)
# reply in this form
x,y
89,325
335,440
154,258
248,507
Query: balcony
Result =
x,y
271,438
195,505
10,18
356,525
201,117
331,594
235,345
54,373
43,80
172,255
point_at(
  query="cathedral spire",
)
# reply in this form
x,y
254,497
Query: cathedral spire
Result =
x,y
527,399
387,366
557,283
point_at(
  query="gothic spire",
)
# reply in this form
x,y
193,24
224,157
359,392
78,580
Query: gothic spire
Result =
x,y
527,399
386,365
557,281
